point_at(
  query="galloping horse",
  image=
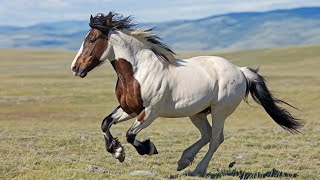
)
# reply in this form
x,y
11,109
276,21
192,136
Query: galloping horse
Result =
x,y
153,83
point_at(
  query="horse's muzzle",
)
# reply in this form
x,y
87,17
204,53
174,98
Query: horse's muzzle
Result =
x,y
81,72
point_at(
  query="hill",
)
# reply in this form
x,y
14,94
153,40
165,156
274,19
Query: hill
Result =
x,y
233,31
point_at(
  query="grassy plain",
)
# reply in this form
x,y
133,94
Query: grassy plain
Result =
x,y
50,122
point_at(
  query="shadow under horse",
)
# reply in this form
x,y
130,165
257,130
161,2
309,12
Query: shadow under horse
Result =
x,y
251,175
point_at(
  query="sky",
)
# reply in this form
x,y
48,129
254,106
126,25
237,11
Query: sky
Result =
x,y
29,12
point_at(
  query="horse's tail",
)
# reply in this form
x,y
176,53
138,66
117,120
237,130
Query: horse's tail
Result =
x,y
257,87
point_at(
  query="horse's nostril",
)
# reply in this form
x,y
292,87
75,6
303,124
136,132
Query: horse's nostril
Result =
x,y
74,68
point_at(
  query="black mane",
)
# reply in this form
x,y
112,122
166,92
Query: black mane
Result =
x,y
118,22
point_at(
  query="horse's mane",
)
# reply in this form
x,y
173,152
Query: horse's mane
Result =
x,y
146,36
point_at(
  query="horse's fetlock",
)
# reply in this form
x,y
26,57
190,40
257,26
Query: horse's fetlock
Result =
x,y
130,137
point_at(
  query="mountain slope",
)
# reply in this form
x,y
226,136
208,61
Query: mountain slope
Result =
x,y
230,31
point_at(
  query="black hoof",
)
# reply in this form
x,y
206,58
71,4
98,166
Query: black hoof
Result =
x,y
155,150
146,147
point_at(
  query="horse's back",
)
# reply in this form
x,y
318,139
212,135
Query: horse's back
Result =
x,y
229,78
216,68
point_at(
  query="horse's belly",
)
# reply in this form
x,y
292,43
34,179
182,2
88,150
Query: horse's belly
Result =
x,y
185,106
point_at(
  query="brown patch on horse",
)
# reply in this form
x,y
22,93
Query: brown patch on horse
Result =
x,y
128,90
141,116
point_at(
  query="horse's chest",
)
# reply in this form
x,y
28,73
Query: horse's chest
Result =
x,y
128,88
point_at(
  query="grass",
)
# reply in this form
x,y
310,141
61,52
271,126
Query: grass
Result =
x,y
50,122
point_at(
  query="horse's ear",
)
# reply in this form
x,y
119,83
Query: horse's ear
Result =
x,y
91,19
109,19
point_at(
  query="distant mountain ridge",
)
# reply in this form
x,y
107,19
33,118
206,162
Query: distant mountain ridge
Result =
x,y
232,31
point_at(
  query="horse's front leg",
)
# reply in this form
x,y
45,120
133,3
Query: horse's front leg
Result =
x,y
144,119
112,144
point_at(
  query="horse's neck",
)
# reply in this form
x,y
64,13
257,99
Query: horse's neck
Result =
x,y
132,50
122,46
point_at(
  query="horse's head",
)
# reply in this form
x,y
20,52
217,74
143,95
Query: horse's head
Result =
x,y
95,48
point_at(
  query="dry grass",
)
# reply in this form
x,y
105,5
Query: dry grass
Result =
x,y
50,122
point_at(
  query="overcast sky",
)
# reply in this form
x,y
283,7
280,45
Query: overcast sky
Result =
x,y
28,12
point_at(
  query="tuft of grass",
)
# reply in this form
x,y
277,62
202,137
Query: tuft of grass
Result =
x,y
50,122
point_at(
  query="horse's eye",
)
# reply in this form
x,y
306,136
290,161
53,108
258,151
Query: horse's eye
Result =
x,y
92,41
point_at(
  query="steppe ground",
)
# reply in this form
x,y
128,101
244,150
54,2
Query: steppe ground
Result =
x,y
50,122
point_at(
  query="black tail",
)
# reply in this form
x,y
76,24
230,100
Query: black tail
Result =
x,y
258,89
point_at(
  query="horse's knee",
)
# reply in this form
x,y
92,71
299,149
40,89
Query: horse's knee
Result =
x,y
106,122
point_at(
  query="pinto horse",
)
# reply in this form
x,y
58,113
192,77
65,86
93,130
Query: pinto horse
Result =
x,y
153,83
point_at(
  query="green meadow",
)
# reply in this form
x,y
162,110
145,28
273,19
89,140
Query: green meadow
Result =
x,y
50,122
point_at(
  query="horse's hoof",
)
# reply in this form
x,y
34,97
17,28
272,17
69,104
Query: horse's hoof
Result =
x,y
119,154
182,164
117,150
153,149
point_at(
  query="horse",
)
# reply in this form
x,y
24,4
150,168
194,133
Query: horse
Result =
x,y
152,83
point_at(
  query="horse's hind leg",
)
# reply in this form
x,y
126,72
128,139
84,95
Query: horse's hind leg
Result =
x,y
201,122
218,119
